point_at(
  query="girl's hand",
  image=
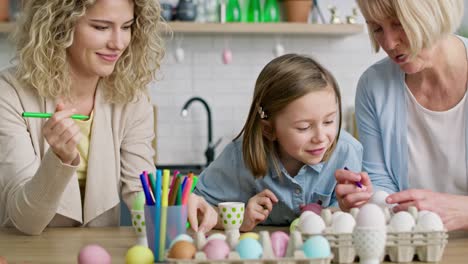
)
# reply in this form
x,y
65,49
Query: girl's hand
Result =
x,y
348,194
63,135
197,209
257,210
453,209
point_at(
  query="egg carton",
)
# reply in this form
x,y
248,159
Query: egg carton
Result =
x,y
294,253
400,247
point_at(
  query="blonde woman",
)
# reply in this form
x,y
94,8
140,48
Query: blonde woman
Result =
x,y
93,58
412,110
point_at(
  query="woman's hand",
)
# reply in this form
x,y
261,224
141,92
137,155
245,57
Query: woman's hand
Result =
x,y
453,209
198,208
63,135
348,194
257,210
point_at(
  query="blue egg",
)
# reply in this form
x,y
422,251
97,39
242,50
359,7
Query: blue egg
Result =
x,y
249,248
316,247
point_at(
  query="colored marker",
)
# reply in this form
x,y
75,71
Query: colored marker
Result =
x,y
358,184
49,115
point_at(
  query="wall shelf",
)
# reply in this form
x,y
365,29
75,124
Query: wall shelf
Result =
x,y
267,28
245,28
6,27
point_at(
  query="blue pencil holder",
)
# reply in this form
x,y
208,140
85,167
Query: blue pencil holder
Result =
x,y
176,221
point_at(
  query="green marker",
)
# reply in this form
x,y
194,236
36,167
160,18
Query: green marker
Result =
x,y
49,115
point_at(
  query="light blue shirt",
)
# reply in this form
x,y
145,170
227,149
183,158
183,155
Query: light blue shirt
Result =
x,y
228,179
381,119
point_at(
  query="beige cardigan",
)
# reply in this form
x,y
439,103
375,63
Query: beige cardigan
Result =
x,y
37,190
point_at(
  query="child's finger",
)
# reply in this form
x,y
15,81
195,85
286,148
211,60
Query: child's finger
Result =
x,y
192,216
269,194
266,203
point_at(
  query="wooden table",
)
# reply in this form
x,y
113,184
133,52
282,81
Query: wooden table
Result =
x,y
61,245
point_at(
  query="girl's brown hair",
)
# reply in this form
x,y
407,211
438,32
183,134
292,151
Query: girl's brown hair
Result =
x,y
281,81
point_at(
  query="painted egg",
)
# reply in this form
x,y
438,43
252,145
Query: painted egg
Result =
x,y
249,234
279,243
182,250
249,248
216,249
93,254
316,247
139,255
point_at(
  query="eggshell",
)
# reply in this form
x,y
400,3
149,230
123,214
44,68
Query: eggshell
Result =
x,y
279,243
216,249
429,221
311,224
227,56
181,237
182,250
216,236
343,223
3,260
138,255
278,50
402,222
249,234
179,55
378,198
249,248
294,225
370,215
93,254
316,247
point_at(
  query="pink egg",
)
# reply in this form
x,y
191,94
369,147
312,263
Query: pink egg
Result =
x,y
3,260
216,249
93,253
227,56
279,243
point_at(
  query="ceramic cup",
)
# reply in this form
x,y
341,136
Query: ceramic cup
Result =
x,y
139,224
231,214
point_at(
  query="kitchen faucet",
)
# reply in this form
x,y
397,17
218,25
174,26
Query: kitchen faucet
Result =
x,y
210,150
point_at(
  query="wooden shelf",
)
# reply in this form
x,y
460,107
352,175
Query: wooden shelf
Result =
x,y
6,27
266,28
250,28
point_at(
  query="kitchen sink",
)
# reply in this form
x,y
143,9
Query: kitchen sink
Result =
x,y
182,168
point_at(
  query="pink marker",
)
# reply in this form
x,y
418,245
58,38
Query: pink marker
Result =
x,y
358,184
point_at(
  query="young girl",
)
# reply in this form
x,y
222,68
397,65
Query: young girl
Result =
x,y
287,153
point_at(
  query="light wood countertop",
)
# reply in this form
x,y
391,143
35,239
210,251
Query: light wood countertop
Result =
x,y
61,245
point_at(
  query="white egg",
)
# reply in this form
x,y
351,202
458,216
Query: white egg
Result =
x,y
216,236
304,215
278,50
179,55
181,237
343,223
402,222
429,221
311,224
370,215
378,198
326,215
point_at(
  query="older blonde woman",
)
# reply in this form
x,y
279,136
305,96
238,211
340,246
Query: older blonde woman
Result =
x,y
412,110
93,58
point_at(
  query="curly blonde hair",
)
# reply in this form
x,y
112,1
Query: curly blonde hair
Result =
x,y
45,31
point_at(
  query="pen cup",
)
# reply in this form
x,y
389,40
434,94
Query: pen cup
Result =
x,y
170,221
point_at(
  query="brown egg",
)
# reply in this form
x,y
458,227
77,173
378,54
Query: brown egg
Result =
x,y
182,250
3,260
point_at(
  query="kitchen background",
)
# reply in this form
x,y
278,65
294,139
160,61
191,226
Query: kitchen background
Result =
x,y
227,88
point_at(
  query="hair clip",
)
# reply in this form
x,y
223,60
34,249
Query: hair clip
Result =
x,y
262,113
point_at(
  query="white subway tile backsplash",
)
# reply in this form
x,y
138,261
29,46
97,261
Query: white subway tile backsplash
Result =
x,y
228,88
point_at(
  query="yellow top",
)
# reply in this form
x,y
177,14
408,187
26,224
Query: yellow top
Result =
x,y
83,149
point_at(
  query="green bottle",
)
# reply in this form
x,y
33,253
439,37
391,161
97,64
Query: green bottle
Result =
x,y
255,12
233,11
271,11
